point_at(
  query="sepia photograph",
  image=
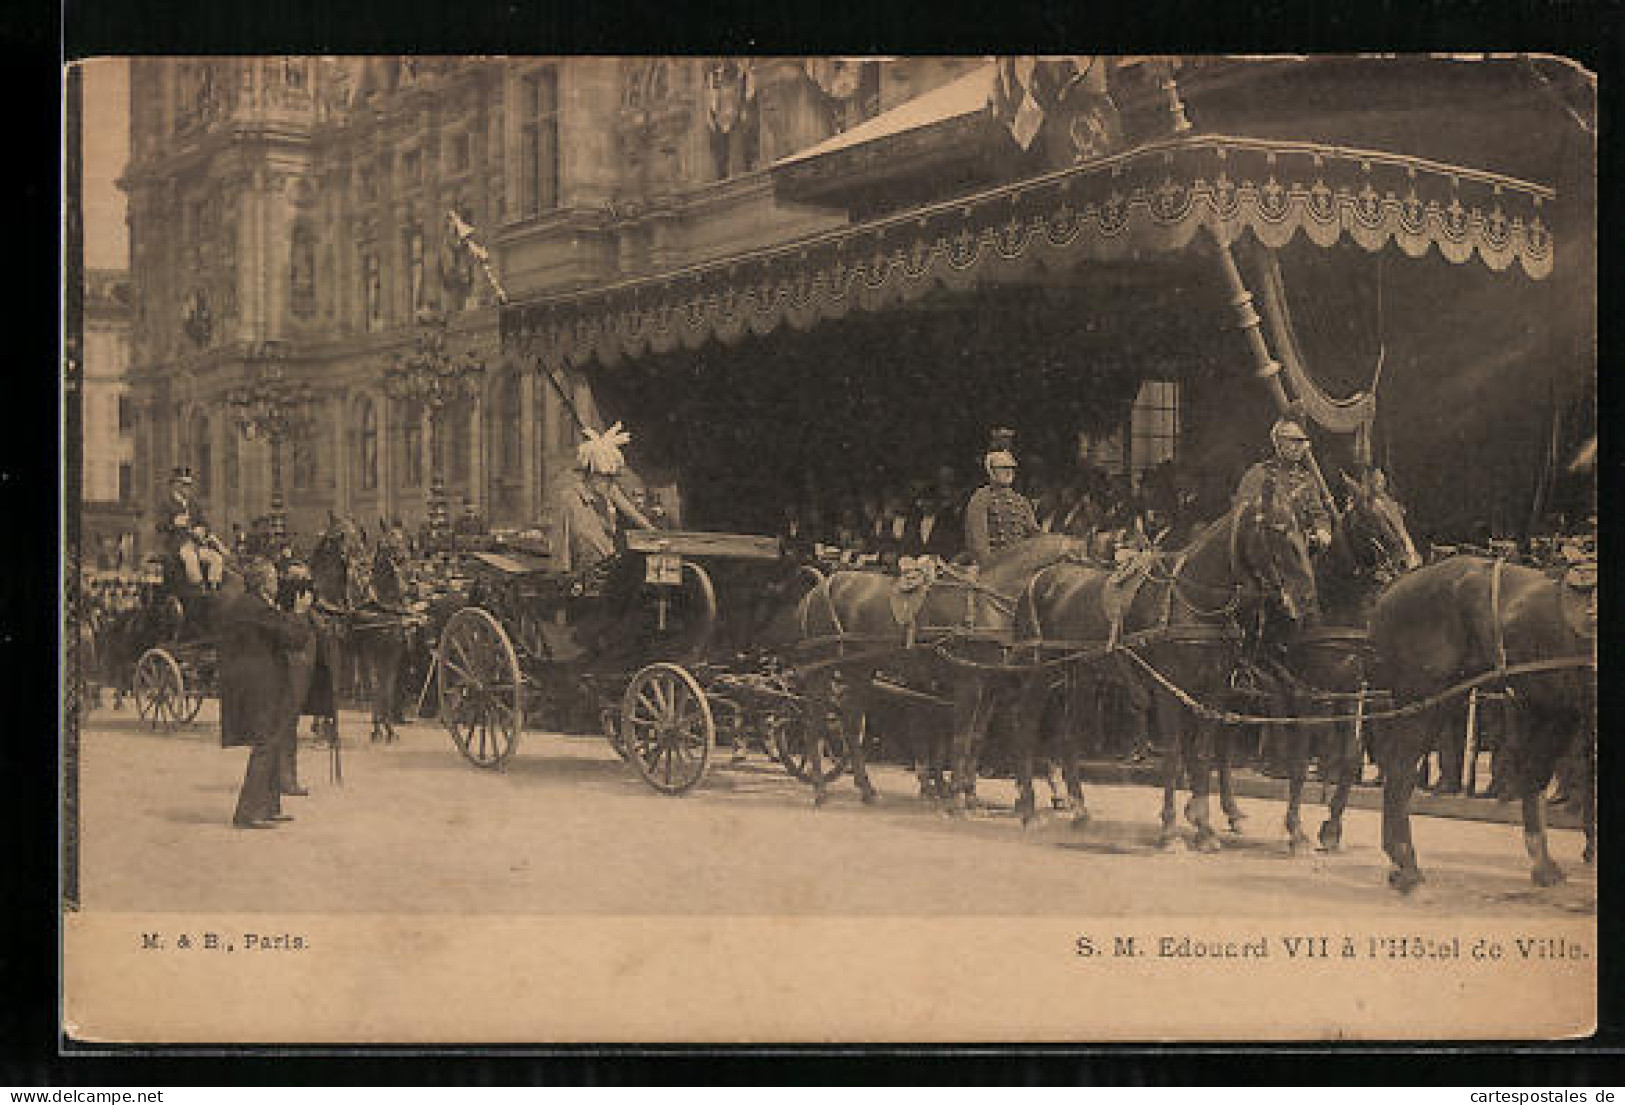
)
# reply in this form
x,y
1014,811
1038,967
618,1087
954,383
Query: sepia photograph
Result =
x,y
829,550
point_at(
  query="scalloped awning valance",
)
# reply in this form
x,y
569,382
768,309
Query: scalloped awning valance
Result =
x,y
1156,197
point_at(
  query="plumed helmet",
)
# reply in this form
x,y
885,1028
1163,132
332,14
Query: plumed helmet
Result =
x,y
998,458
601,453
1287,429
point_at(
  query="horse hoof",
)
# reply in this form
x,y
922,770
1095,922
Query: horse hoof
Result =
x,y
1238,824
1207,842
1167,842
1405,880
1298,845
819,799
870,797
1547,874
1080,818
1589,856
1331,837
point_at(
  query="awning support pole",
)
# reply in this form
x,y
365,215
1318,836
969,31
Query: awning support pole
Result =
x,y
1269,369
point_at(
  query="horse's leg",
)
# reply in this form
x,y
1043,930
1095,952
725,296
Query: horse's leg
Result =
x,y
829,692
1164,711
1588,793
1200,738
1541,751
1081,693
1402,763
1347,760
857,728
1024,736
968,694
1222,748
1298,770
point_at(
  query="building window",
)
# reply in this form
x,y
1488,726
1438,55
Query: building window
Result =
x,y
367,444
457,154
411,167
538,114
411,446
302,273
509,411
458,422
414,270
372,290
368,180
126,482
1153,426
126,414
202,457
304,462
232,476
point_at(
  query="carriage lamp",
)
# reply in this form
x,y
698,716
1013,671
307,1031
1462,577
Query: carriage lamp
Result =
x,y
274,409
437,379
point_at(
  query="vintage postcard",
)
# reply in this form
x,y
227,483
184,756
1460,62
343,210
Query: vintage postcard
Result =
x,y
829,550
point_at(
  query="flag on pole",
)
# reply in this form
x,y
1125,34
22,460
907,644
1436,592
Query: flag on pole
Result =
x,y
466,240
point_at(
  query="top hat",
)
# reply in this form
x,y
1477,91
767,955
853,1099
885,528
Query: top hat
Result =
x,y
181,473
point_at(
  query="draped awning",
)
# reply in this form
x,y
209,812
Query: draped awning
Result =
x,y
1154,198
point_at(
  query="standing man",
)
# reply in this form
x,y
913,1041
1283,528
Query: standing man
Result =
x,y
256,689
187,533
998,515
1289,466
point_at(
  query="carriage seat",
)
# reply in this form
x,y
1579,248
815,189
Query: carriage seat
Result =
x,y
197,605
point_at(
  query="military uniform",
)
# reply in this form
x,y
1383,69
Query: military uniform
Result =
x,y
1294,483
996,518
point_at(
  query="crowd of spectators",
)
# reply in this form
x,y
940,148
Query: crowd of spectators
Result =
x,y
877,526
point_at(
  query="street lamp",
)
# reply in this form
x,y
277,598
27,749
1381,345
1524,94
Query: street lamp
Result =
x,y
274,409
431,376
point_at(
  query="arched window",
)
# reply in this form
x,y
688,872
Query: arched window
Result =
x,y
233,476
202,456
458,420
366,443
302,272
411,445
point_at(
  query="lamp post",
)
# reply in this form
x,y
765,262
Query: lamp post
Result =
x,y
431,376
275,409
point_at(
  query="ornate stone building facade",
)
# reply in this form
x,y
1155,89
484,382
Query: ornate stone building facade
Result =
x,y
292,212
111,510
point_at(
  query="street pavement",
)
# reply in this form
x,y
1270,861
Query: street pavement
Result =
x,y
568,829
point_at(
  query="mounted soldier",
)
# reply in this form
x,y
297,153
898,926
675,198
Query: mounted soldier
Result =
x,y
998,515
186,533
1294,481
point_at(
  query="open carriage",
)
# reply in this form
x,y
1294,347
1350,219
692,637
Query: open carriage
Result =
x,y
170,634
630,646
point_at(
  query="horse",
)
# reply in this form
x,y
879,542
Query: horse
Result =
x,y
1460,618
1370,548
382,641
1191,616
889,629
344,570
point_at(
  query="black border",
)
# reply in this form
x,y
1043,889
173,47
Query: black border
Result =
x,y
1587,32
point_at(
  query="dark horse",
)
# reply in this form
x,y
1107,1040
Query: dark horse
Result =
x,y
1458,619
364,591
1370,548
1192,615
855,625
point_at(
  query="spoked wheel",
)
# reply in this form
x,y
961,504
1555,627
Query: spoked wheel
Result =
x,y
191,705
790,747
667,728
160,691
481,689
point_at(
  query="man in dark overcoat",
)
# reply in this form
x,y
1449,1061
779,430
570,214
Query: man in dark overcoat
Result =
x,y
256,692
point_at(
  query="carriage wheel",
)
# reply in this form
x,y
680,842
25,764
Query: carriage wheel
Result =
x,y
481,689
667,728
160,691
790,747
